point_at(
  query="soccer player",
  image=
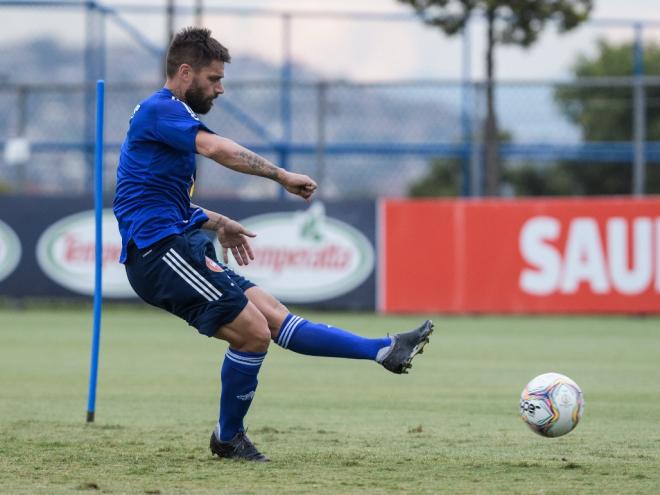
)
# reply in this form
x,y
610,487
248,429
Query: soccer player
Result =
x,y
173,265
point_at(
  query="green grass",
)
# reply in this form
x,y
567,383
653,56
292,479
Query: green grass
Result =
x,y
330,426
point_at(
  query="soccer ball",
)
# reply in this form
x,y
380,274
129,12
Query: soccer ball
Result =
x,y
551,404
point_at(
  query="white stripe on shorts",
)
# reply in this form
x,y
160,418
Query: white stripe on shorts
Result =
x,y
185,266
186,278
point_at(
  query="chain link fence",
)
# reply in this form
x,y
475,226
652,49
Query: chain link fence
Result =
x,y
358,139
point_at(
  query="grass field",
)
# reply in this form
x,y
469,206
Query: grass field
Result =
x,y
330,426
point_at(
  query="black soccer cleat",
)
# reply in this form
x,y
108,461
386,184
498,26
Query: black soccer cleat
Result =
x,y
405,347
240,448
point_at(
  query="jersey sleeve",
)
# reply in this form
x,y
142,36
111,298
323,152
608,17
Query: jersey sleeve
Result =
x,y
177,126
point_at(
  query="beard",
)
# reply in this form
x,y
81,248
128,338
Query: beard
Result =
x,y
196,100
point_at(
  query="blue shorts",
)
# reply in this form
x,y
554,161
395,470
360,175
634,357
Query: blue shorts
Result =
x,y
182,275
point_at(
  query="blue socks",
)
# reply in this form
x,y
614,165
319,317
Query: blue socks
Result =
x,y
319,339
239,383
240,369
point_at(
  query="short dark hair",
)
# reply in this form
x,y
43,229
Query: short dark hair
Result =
x,y
194,46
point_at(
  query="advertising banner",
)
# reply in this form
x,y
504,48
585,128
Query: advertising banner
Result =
x,y
30,218
307,256
321,254
523,256
66,249
10,250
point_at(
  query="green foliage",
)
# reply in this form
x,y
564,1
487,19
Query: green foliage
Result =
x,y
508,22
577,179
331,426
518,22
605,112
443,179
445,176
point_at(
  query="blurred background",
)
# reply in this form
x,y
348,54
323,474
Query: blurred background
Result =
x,y
498,173
363,95
383,102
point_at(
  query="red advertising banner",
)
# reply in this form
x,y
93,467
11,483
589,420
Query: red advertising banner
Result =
x,y
521,256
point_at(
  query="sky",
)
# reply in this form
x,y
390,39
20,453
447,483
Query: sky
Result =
x,y
355,49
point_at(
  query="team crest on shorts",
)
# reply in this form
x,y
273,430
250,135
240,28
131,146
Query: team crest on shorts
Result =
x,y
213,266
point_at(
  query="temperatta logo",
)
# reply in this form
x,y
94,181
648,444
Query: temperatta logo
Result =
x,y
307,256
66,254
10,250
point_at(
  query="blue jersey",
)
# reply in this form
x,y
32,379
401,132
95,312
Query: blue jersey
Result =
x,y
156,172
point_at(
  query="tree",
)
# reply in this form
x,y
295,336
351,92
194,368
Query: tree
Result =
x,y
443,179
571,178
605,113
518,22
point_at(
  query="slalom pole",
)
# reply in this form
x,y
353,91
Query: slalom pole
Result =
x,y
98,268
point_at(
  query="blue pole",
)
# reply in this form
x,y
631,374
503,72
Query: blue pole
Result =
x,y
285,101
98,269
286,80
466,107
639,115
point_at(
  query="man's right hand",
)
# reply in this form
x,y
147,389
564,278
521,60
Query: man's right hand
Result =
x,y
298,184
234,237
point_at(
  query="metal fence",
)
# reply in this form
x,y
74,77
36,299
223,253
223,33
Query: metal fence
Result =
x,y
357,138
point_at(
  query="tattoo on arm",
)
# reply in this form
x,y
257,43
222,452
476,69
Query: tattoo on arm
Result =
x,y
215,220
258,165
214,223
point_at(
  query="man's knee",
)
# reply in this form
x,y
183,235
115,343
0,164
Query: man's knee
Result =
x,y
275,317
270,307
249,332
260,338
255,331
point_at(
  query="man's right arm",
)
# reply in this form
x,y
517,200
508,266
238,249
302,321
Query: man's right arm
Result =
x,y
234,156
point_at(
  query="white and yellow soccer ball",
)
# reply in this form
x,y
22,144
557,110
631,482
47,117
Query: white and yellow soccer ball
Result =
x,y
551,404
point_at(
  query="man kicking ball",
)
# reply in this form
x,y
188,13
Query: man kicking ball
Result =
x,y
173,265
